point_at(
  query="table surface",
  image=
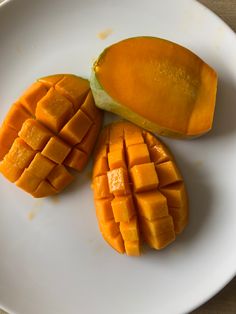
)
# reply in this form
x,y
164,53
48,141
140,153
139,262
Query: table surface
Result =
x,y
225,301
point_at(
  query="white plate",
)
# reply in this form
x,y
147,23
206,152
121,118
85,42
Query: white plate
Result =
x,y
58,262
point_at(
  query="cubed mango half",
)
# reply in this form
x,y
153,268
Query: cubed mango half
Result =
x,y
139,193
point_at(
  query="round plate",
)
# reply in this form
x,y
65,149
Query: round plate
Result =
x,y
58,261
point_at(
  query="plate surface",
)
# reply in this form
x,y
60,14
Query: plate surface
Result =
x,y
58,262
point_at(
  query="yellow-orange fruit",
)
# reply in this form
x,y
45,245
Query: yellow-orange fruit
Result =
x,y
156,84
139,192
51,128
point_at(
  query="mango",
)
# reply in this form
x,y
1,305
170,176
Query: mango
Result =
x,y
156,84
137,195
50,129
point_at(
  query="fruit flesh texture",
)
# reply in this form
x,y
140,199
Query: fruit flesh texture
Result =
x,y
139,192
51,128
156,84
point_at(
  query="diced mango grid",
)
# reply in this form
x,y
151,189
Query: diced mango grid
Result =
x,y
137,185
55,124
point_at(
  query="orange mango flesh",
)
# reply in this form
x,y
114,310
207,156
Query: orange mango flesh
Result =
x,y
156,84
7,137
137,196
50,129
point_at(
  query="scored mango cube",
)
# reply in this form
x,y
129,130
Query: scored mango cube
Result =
x,y
144,177
180,217
74,88
44,189
152,204
10,170
100,167
161,241
54,110
76,159
34,134
115,132
138,154
116,159
158,226
89,107
20,154
150,140
28,181
7,137
41,166
130,230
175,194
116,145
104,209
59,177
56,150
118,182
132,248
110,228
168,173
100,187
123,208
133,137
76,128
32,146
128,192
159,153
90,138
